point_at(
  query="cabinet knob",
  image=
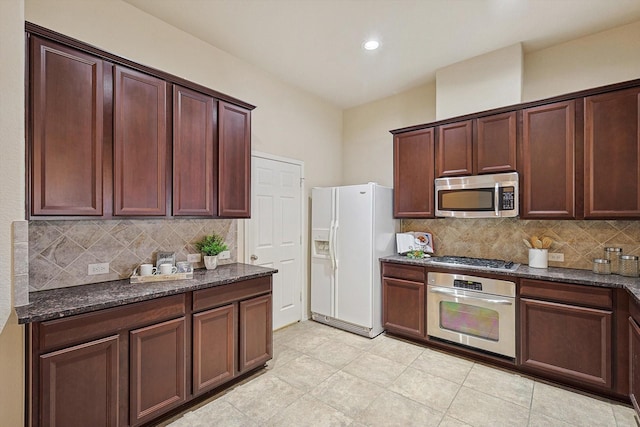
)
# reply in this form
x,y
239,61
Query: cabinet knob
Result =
x,y
254,257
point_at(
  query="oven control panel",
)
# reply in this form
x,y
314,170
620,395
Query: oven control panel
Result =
x,y
467,284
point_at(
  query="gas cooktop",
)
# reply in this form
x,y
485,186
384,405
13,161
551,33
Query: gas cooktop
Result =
x,y
481,263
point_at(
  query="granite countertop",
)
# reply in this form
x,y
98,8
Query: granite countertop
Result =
x,y
63,302
553,274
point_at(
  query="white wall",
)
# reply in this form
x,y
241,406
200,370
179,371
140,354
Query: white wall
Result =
x,y
600,59
481,83
12,204
368,148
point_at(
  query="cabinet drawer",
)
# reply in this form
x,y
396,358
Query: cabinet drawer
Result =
x,y
564,292
408,272
85,327
219,295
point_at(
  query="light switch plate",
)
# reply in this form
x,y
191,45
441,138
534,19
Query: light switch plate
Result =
x,y
224,255
101,268
194,257
556,256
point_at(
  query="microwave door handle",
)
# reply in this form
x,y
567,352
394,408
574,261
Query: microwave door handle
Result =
x,y
496,198
455,295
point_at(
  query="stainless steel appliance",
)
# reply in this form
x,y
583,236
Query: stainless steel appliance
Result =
x,y
476,263
474,311
478,196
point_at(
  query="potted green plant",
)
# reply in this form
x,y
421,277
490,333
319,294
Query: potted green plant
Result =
x,y
211,246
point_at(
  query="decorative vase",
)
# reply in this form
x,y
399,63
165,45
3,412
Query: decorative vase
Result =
x,y
211,262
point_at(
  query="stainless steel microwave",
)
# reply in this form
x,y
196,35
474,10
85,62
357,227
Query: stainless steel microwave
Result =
x,y
478,196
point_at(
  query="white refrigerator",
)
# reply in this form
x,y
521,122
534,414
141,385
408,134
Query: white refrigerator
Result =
x,y
351,228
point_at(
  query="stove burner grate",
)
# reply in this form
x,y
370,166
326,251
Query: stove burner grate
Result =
x,y
489,264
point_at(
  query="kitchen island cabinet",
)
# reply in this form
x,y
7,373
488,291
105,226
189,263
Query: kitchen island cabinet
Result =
x,y
413,174
130,364
634,355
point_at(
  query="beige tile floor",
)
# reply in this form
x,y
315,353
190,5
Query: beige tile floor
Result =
x,y
321,376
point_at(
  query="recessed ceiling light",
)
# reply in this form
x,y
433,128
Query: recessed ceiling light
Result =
x,y
371,45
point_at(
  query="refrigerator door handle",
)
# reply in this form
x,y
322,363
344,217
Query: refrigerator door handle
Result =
x,y
331,249
335,245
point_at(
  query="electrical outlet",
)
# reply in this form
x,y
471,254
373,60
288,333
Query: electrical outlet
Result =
x,y
102,268
194,257
556,256
224,255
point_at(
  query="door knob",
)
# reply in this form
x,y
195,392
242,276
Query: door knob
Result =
x,y
254,257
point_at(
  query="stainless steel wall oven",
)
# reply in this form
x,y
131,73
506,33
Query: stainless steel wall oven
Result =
x,y
473,311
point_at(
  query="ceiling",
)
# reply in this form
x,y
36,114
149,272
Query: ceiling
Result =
x,y
316,45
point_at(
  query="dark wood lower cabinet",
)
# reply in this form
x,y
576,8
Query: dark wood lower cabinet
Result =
x,y
79,385
214,351
403,309
566,341
129,365
157,370
634,363
255,345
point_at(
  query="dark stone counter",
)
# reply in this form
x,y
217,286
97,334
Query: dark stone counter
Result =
x,y
552,274
63,302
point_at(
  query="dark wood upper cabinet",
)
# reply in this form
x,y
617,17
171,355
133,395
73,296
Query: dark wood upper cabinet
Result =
x,y
234,161
107,137
413,174
194,153
476,146
140,143
66,133
494,148
454,153
547,165
612,155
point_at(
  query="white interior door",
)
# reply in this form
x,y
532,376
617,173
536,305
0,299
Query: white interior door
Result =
x,y
274,232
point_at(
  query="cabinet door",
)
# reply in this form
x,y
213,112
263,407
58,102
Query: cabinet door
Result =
x,y
79,385
194,153
548,161
66,102
612,155
413,159
634,362
213,347
454,155
403,307
567,342
157,370
255,346
495,145
140,143
234,161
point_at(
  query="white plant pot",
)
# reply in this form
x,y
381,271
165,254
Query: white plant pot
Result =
x,y
211,262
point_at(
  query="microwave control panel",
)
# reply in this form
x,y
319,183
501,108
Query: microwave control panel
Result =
x,y
507,198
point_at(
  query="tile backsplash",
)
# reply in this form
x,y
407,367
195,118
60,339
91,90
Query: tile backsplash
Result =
x,y
580,241
61,251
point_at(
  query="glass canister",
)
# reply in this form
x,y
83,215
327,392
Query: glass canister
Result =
x,y
601,266
613,255
628,266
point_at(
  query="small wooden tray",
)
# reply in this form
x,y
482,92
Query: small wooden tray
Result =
x,y
159,277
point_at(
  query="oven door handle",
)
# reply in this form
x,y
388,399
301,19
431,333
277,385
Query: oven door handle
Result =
x,y
457,295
